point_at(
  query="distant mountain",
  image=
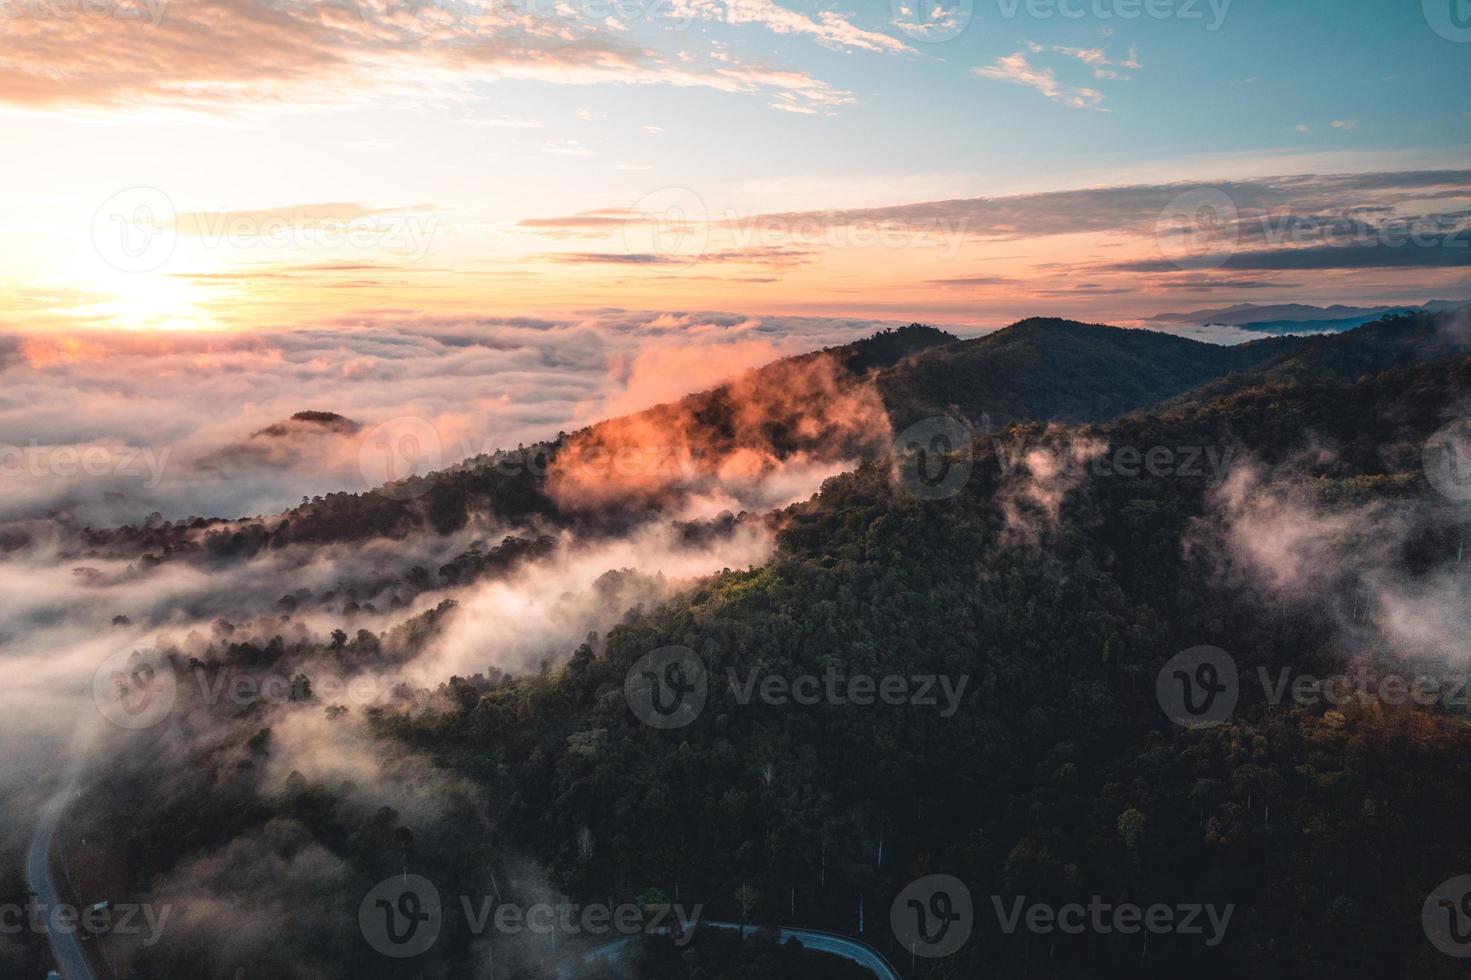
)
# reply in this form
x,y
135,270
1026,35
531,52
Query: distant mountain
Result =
x,y
1282,327
1252,313
888,347
1060,370
1289,318
1446,305
306,423
1391,342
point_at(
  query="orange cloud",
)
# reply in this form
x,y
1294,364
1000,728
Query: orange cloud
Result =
x,y
207,53
795,413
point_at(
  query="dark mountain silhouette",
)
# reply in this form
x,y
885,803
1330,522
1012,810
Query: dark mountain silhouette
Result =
x,y
1287,318
1243,313
1051,369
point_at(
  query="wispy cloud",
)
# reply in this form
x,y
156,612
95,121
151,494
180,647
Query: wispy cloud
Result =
x,y
1015,69
765,255
829,28
1096,58
276,56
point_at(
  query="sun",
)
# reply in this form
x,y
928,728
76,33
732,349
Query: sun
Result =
x,y
153,301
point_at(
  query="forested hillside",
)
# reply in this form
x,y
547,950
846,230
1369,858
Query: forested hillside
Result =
x,y
1289,523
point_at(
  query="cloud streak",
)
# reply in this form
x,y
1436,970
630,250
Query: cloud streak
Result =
x,y
285,55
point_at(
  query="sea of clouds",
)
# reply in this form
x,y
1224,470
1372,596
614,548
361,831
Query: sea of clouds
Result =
x,y
107,428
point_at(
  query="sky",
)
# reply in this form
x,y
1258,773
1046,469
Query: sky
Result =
x,y
205,165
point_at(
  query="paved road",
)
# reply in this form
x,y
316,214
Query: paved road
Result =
x,y
818,942
66,948
825,942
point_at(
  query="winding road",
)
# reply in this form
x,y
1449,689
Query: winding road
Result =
x,y
818,942
826,942
66,947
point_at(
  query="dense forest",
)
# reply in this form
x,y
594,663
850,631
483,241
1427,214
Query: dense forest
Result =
x,y
1050,591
